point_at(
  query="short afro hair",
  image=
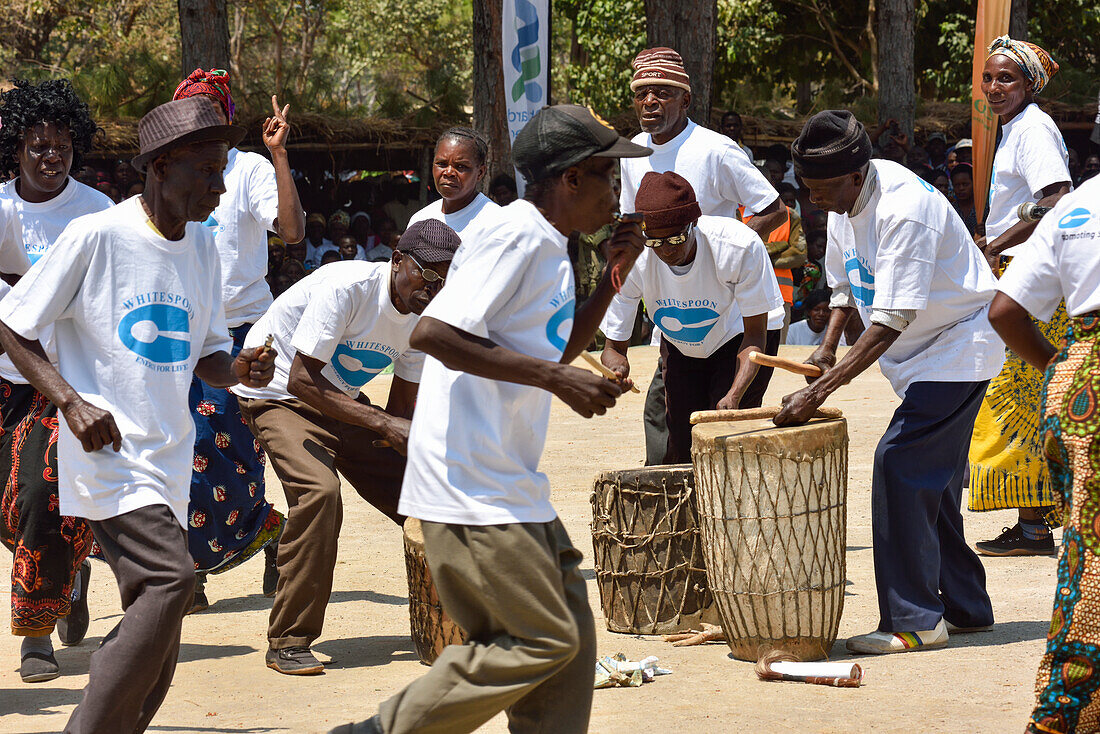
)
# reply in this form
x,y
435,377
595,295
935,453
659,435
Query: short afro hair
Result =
x,y
26,105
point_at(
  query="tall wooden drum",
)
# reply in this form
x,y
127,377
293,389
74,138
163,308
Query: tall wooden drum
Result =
x,y
773,521
648,556
432,629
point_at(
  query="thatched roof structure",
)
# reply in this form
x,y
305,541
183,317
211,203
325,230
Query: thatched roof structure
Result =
x,y
391,143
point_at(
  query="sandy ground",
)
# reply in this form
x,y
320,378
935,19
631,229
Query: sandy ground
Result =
x,y
980,683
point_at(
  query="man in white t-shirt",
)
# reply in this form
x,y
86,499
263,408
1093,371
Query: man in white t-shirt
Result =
x,y
334,331
228,475
709,284
128,340
499,340
725,182
900,256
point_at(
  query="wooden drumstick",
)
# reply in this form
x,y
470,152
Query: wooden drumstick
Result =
x,y
799,368
603,370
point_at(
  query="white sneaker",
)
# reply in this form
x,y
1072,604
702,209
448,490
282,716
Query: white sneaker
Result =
x,y
884,643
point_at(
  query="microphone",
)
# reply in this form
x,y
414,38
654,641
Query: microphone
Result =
x,y
1029,211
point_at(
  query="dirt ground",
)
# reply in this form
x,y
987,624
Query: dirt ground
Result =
x,y
980,683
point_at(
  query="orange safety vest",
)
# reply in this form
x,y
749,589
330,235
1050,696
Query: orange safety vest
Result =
x,y
785,276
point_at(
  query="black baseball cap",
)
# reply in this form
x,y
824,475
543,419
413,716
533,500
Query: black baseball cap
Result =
x,y
564,135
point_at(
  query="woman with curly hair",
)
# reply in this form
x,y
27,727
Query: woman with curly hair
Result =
x,y
46,131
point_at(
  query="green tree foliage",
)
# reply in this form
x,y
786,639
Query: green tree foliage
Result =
x,y
604,36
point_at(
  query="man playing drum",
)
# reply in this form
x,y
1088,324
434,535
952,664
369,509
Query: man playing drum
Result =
x,y
900,256
499,339
709,285
723,178
335,330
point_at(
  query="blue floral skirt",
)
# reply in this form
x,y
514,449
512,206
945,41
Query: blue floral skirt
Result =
x,y
229,519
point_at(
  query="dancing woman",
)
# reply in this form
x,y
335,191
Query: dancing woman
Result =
x,y
229,519
46,131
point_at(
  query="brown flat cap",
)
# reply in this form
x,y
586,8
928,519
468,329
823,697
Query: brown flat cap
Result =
x,y
182,122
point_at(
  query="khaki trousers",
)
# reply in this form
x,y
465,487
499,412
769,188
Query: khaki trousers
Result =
x,y
307,449
518,591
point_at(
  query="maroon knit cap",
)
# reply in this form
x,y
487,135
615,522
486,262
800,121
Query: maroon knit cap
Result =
x,y
661,66
666,200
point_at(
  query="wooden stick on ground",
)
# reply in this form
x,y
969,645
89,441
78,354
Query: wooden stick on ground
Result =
x,y
799,368
603,370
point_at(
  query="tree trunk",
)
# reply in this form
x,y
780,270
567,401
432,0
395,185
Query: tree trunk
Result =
x,y
895,62
489,106
1017,20
204,35
690,27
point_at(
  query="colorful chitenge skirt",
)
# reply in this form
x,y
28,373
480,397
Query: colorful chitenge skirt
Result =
x,y
1007,468
47,547
1069,673
229,520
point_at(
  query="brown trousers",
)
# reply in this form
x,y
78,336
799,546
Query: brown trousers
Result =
x,y
307,449
518,591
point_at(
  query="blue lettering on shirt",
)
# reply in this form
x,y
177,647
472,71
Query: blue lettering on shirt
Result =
x,y
357,367
687,325
163,332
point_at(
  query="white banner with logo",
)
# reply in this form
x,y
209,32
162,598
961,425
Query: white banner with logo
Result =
x,y
525,32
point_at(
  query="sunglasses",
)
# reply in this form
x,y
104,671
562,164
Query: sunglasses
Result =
x,y
676,239
429,276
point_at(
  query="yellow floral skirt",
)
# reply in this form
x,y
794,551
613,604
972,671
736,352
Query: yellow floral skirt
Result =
x,y
1007,467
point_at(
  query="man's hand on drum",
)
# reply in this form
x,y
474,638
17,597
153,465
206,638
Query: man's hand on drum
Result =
x,y
730,401
799,407
824,358
585,392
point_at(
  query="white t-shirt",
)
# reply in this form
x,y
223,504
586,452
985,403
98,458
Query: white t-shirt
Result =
x,y
1061,259
460,220
1030,157
475,444
379,253
908,249
800,334
246,212
42,223
342,315
133,313
701,309
718,169
36,226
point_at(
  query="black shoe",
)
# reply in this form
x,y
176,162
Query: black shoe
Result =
x,y
200,604
294,661
1012,542
271,569
35,667
72,628
370,726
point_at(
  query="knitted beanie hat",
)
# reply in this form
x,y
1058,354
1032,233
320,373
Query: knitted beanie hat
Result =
x,y
662,66
832,143
429,241
666,200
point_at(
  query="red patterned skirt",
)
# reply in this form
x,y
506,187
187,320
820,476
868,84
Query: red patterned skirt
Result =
x,y
48,547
